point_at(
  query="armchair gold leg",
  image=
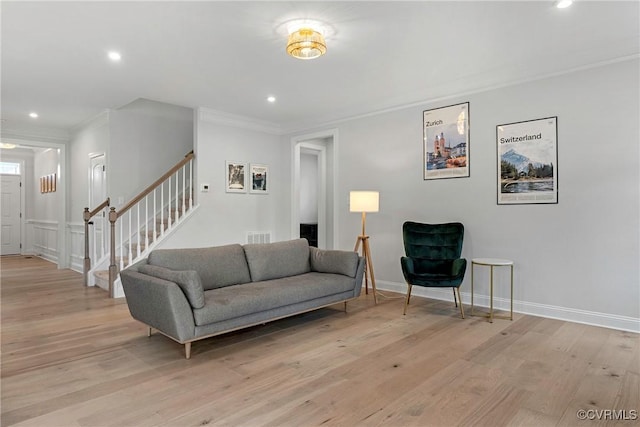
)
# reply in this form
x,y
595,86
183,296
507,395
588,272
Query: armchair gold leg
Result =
x,y
406,301
455,300
457,291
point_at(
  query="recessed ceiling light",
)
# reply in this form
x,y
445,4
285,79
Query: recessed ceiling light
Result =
x,y
115,56
561,4
271,99
33,115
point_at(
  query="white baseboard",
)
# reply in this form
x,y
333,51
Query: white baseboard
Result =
x,y
593,318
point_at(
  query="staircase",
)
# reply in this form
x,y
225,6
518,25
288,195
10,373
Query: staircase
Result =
x,y
141,225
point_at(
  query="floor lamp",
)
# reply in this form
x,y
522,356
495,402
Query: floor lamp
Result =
x,y
365,201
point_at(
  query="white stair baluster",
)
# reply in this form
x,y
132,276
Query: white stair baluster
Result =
x,y
184,190
121,245
162,208
130,255
190,184
169,204
155,231
138,233
146,221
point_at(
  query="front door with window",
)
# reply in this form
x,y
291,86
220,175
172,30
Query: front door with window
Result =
x,y
10,217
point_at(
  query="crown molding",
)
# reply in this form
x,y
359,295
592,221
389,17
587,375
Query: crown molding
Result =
x,y
305,127
221,118
35,134
99,120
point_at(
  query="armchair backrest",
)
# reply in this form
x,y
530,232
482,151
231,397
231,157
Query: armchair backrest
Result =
x,y
433,241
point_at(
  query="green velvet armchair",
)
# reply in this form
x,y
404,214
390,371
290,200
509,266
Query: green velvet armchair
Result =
x,y
433,257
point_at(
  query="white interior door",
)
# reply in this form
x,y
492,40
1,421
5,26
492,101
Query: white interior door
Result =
x,y
10,216
97,195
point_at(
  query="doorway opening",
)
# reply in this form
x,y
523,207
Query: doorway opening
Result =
x,y
313,192
39,218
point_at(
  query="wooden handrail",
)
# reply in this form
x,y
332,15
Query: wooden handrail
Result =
x,y
156,183
87,215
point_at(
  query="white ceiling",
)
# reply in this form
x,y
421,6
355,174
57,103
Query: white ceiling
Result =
x,y
230,56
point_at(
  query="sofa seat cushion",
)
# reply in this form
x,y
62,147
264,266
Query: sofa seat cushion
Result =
x,y
275,260
187,280
240,300
217,266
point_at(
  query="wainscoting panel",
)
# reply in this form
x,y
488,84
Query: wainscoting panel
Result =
x,y
45,238
75,237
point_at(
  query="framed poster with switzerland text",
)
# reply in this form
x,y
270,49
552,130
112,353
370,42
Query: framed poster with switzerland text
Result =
x,y
527,162
446,142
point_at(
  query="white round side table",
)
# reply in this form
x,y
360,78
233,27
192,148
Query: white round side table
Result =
x,y
492,263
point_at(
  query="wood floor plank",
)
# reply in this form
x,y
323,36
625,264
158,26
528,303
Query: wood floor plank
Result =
x,y
73,357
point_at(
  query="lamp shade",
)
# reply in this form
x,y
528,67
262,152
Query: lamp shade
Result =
x,y
364,201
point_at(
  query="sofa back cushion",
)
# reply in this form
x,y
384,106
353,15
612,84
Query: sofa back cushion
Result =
x,y
217,266
187,280
332,261
275,260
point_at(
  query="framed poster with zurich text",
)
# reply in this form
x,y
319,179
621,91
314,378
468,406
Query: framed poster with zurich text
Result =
x,y
446,142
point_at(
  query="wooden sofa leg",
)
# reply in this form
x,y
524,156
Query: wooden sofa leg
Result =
x,y
345,306
150,331
187,350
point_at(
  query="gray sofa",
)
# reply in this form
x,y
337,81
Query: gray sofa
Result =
x,y
191,294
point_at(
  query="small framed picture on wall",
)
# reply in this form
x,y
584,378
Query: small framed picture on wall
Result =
x,y
259,182
235,177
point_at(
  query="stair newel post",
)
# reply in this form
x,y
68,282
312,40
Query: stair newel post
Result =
x,y
86,215
113,268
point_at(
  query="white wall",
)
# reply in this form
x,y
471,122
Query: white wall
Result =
x,y
92,138
225,218
147,139
577,259
45,162
308,188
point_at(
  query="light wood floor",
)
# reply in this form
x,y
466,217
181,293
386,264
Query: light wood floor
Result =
x,y
73,357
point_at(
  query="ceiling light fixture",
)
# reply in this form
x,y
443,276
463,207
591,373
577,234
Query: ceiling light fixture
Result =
x,y
33,115
561,4
306,43
271,99
114,56
7,146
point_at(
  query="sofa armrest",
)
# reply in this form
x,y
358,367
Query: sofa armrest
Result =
x,y
158,303
333,261
459,267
